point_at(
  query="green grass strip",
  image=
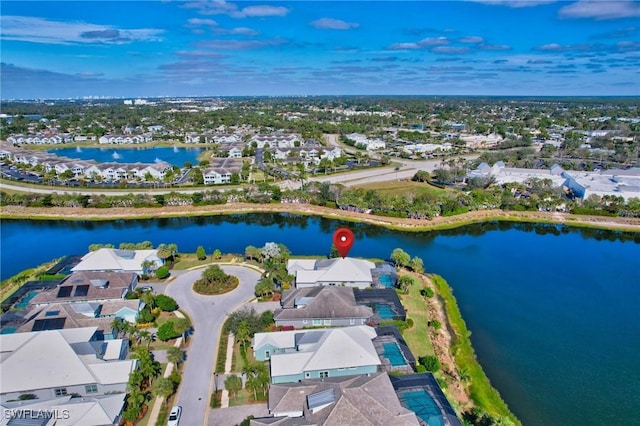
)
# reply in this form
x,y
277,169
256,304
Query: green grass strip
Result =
x,y
485,396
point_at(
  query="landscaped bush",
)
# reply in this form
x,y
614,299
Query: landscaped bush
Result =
x,y
435,324
430,362
162,272
166,303
145,315
200,253
215,281
167,331
427,292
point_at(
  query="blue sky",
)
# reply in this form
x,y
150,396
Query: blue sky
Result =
x,y
56,49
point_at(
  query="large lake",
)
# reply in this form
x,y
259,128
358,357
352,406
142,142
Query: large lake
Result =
x,y
173,155
554,311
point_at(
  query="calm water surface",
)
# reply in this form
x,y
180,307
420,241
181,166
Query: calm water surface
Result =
x,y
172,155
554,312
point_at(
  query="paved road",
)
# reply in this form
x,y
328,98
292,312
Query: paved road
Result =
x,y
207,314
406,170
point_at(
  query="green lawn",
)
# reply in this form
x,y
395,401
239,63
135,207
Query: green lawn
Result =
x,y
417,337
401,188
189,260
245,397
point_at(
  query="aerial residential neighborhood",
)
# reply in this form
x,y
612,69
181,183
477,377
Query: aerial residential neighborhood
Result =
x,y
68,352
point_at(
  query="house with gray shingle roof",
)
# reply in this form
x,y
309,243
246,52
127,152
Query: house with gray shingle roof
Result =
x,y
361,400
321,306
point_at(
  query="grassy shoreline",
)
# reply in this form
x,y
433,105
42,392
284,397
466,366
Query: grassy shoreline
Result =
x,y
483,394
399,224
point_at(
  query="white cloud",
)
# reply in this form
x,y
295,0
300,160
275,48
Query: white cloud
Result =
x,y
471,39
39,30
601,10
333,24
264,11
222,7
514,3
197,22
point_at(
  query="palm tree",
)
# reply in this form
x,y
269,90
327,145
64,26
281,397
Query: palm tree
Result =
x,y
243,334
144,336
164,387
175,355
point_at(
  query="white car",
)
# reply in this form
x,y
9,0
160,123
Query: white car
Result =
x,y
174,416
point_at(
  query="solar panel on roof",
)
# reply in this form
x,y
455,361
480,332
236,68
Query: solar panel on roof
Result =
x,y
321,398
48,324
65,291
52,313
81,290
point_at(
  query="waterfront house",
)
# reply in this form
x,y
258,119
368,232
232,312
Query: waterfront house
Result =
x,y
89,287
422,394
320,306
360,400
346,271
108,259
56,363
316,354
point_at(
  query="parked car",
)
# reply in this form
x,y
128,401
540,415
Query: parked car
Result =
x,y
174,416
146,288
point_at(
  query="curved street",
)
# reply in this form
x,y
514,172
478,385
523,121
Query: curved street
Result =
x,y
208,314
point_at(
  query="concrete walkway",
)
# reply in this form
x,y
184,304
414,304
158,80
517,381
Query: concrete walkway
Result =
x,y
224,399
157,404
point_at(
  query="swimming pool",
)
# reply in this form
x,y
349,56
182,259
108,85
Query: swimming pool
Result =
x,y
386,280
8,330
24,302
393,353
384,311
423,405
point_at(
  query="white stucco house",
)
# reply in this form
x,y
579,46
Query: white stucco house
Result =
x,y
108,259
346,271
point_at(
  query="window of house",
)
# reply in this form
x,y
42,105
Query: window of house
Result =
x,y
352,321
324,374
91,388
327,321
317,322
60,391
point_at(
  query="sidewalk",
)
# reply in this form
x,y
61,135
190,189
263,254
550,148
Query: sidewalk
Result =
x,y
157,404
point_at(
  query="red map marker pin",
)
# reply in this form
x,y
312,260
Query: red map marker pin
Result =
x,y
343,239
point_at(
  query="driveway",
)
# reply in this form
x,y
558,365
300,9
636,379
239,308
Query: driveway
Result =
x,y
207,313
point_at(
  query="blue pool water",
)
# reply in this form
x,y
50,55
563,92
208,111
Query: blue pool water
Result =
x,y
384,311
8,330
393,353
24,302
386,280
423,405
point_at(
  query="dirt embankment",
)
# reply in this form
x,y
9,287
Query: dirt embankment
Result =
x,y
442,341
78,213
